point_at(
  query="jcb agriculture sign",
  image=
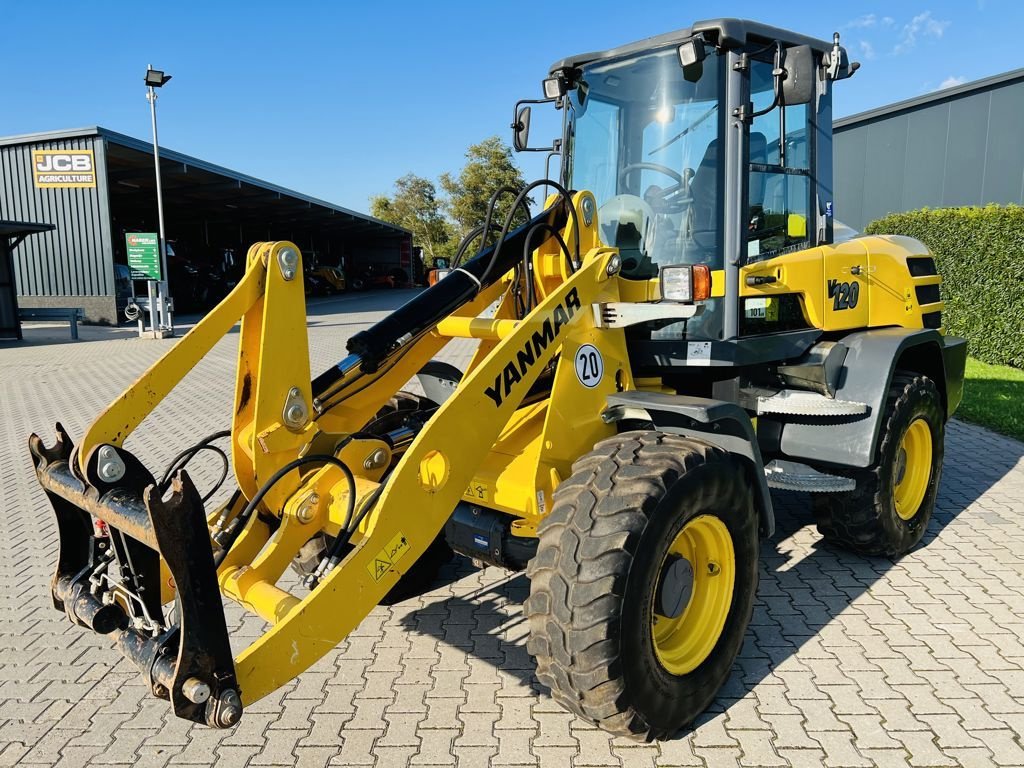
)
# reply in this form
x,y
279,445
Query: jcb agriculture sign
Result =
x,y
64,167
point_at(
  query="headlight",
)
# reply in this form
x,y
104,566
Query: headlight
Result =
x,y
686,283
677,283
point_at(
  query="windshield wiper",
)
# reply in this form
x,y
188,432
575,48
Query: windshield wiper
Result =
x,y
686,130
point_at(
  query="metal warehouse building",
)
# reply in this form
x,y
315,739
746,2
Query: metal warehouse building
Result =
x,y
958,146
95,185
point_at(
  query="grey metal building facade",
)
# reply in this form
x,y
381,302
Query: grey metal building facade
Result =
x,y
958,146
73,260
207,205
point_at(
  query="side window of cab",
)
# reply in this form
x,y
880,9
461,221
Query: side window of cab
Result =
x,y
778,212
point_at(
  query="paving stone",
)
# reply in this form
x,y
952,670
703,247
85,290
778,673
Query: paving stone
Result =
x,y
1005,747
922,748
719,757
897,758
757,749
803,758
515,747
840,749
435,747
356,746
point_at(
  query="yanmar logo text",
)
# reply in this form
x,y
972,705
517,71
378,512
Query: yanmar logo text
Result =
x,y
534,347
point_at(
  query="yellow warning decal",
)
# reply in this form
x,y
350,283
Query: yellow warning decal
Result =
x,y
477,491
388,557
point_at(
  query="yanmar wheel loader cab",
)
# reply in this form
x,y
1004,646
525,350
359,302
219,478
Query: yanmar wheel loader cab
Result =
x,y
673,334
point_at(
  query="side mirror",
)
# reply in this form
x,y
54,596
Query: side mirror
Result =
x,y
798,83
521,129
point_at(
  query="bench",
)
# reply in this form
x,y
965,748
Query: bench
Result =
x,y
71,314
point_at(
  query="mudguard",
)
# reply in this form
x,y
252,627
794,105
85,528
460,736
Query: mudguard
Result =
x,y
873,358
720,423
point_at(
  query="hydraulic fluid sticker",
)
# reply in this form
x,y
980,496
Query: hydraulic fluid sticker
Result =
x,y
589,366
541,505
477,490
389,556
698,353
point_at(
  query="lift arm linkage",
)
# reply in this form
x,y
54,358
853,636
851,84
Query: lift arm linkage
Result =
x,y
111,515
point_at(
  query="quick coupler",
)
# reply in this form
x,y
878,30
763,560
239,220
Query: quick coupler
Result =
x,y
125,552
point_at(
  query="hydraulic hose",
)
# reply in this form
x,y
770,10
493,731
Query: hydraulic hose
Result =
x,y
374,345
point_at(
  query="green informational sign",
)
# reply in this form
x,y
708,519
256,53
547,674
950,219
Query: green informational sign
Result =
x,y
143,255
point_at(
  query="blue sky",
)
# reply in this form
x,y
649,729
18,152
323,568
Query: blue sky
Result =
x,y
338,99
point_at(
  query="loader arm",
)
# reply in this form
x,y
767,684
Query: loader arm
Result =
x,y
302,469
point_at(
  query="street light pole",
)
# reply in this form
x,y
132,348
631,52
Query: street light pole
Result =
x,y
154,80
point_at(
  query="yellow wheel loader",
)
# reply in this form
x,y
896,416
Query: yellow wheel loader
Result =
x,y
670,336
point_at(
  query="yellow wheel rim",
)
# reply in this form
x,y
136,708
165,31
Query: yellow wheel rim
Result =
x,y
683,643
913,469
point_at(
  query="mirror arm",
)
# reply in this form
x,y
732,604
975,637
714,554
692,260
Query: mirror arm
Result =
x,y
782,135
517,125
776,86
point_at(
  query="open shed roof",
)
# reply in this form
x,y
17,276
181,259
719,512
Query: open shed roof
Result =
x,y
190,182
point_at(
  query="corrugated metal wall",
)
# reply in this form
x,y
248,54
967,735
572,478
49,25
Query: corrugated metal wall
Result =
x,y
75,259
967,150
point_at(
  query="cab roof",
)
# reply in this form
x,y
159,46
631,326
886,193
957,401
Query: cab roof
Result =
x,y
725,33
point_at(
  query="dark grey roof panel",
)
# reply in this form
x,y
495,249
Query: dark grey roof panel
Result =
x,y
934,97
19,228
729,33
123,140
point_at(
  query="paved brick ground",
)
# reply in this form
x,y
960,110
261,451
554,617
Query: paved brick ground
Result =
x,y
848,662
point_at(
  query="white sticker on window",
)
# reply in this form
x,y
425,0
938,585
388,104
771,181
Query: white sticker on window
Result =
x,y
755,308
698,353
589,366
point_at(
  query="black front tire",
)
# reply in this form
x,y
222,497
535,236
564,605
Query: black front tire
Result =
x,y
866,520
593,580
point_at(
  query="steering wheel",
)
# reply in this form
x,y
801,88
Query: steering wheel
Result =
x,y
672,198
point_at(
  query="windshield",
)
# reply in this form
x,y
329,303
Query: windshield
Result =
x,y
645,141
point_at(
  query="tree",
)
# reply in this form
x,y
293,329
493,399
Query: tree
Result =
x,y
489,166
414,206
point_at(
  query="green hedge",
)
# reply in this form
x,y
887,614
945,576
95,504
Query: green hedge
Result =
x,y
980,255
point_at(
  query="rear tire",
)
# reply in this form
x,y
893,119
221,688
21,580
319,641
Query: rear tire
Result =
x,y
595,607
888,512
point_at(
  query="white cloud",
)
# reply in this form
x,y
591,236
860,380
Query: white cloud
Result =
x,y
867,50
924,25
952,81
888,21
863,22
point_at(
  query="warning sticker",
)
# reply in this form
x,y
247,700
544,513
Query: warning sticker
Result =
x,y
477,490
388,557
698,353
